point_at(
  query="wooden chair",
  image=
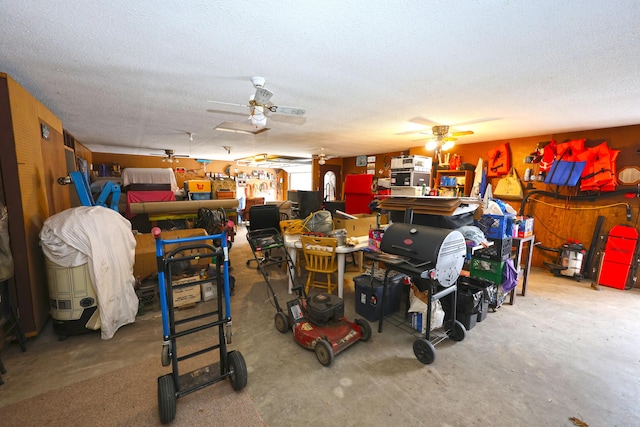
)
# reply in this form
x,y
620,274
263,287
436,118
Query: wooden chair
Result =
x,y
320,257
293,226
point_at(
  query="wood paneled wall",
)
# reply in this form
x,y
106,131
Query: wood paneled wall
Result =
x,y
558,219
32,193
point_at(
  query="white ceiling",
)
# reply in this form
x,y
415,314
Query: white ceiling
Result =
x,y
134,76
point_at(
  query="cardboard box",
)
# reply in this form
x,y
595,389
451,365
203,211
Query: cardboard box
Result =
x,y
525,228
186,295
360,226
406,191
209,290
145,255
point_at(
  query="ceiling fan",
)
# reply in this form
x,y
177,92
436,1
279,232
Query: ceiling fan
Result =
x,y
260,105
442,136
322,157
169,156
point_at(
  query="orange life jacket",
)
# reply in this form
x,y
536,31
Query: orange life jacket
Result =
x,y
570,150
499,161
599,172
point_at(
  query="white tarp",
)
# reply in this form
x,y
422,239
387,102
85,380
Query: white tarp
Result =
x,y
102,238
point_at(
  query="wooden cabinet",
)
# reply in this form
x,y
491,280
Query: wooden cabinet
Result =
x,y
452,180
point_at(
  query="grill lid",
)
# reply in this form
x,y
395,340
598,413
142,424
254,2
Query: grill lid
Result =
x,y
432,253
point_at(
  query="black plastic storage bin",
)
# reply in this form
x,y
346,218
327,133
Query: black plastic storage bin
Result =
x,y
368,295
468,306
484,309
499,251
490,291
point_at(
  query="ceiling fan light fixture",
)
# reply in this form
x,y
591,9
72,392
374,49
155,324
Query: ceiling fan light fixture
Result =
x,y
321,161
448,145
431,145
260,121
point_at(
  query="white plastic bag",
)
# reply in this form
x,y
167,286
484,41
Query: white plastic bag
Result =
x,y
418,307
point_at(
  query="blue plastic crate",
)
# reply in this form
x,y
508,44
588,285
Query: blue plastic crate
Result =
x,y
200,196
495,226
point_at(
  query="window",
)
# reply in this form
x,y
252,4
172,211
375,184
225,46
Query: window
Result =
x,y
300,181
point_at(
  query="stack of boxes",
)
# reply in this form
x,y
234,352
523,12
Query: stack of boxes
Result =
x,y
410,175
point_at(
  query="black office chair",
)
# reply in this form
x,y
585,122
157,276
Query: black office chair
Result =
x,y
264,217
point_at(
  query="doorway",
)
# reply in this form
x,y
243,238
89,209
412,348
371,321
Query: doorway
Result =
x,y
331,182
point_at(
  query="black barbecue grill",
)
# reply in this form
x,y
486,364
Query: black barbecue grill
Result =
x,y
427,253
433,258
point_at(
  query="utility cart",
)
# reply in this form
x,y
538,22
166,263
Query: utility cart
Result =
x,y
229,364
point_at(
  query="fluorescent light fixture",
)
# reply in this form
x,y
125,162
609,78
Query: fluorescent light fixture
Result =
x,y
272,161
241,128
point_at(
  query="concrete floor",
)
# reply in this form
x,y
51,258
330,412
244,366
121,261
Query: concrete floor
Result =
x,y
564,350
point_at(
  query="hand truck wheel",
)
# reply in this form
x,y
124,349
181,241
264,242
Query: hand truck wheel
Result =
x,y
166,354
237,370
166,398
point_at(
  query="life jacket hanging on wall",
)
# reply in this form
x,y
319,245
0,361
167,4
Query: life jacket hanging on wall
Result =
x,y
600,172
499,161
566,168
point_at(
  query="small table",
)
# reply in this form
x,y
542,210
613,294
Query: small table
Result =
x,y
292,243
518,243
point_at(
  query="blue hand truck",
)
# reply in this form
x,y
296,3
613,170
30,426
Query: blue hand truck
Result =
x,y
230,364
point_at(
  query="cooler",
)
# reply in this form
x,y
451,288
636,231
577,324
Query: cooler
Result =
x,y
368,296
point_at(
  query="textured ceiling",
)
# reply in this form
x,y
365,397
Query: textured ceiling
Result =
x,y
135,76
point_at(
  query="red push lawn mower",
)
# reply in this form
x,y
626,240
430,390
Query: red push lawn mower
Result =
x,y
318,322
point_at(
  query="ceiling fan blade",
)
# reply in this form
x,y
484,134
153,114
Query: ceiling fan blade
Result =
x,y
423,121
474,121
424,139
228,103
291,111
227,112
262,96
411,132
462,133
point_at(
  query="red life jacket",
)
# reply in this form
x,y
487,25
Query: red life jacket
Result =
x,y
548,154
499,161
